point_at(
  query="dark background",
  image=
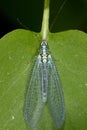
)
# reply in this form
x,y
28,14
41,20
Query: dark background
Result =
x,y
27,14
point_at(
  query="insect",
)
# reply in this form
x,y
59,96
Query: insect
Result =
x,y
44,86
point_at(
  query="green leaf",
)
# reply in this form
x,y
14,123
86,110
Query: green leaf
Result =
x,y
17,51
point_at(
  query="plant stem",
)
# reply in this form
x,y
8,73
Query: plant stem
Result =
x,y
45,21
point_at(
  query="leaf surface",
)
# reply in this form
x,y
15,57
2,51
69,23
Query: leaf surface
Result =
x,y
17,51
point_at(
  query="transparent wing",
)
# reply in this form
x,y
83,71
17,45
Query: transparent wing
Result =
x,y
55,94
33,106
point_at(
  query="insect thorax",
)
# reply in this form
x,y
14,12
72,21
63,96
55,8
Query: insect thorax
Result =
x,y
44,52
